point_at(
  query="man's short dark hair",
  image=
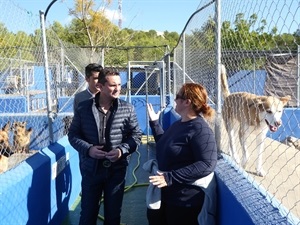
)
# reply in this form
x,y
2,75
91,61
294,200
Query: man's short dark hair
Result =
x,y
92,67
107,72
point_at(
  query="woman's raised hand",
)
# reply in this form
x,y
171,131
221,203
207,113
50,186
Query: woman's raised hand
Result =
x,y
152,115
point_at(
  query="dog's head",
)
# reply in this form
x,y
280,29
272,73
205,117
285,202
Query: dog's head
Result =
x,y
271,109
20,128
4,132
6,127
4,139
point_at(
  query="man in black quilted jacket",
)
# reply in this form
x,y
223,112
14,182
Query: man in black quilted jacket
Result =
x,y
105,132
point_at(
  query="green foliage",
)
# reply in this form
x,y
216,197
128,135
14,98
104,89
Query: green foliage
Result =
x,y
90,28
15,47
244,39
240,41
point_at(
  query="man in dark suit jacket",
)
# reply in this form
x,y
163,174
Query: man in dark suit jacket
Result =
x,y
91,76
105,132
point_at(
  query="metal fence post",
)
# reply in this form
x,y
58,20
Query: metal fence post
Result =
x,y
47,80
218,71
298,76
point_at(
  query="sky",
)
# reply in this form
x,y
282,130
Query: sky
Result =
x,y
159,15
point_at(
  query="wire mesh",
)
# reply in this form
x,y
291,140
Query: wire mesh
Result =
x,y
260,51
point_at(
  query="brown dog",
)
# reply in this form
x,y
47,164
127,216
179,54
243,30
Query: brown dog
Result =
x,y
21,139
5,148
251,113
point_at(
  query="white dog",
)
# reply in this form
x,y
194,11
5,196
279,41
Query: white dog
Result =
x,y
251,113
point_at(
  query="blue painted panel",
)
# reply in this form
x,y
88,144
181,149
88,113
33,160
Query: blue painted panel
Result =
x,y
139,103
13,105
248,81
240,202
39,79
48,183
124,79
38,192
65,104
168,116
229,209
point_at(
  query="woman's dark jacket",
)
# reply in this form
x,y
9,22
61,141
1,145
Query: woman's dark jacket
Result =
x,y
185,152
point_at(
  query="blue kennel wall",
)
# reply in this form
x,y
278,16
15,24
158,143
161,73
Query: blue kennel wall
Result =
x,y
41,189
65,104
39,123
248,81
290,123
13,104
241,201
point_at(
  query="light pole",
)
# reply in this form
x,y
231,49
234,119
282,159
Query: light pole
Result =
x,y
50,114
48,8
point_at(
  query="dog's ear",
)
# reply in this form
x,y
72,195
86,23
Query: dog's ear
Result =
x,y
259,100
259,103
285,99
29,131
6,127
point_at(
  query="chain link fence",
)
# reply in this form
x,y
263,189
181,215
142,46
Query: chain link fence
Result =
x,y
40,74
258,43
